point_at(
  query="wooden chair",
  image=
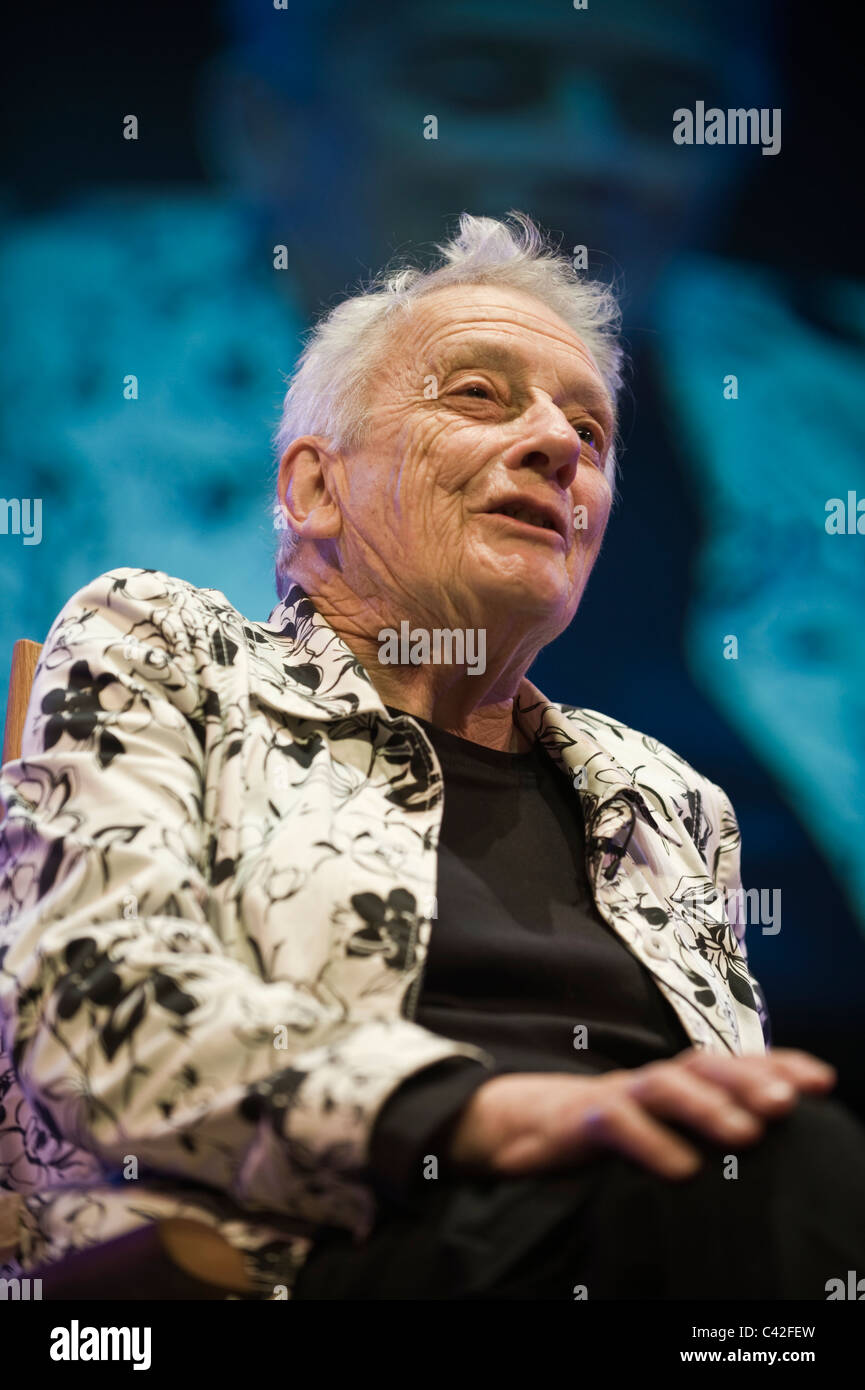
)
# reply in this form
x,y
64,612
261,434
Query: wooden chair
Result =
x,y
195,1249
25,655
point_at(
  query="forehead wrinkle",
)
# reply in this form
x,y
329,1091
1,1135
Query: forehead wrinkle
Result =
x,y
559,331
473,350
501,313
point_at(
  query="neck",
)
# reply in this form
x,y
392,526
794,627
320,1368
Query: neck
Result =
x,y
474,702
491,726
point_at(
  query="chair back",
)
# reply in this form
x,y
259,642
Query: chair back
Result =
x,y
25,655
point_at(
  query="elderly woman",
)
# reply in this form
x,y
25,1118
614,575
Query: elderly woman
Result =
x,y
331,944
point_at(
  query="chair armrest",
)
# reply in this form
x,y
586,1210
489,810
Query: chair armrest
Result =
x,y
166,1260
203,1253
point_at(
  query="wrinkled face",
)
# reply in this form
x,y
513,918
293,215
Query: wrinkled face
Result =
x,y
489,429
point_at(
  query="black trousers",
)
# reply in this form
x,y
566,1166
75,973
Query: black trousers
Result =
x,y
792,1219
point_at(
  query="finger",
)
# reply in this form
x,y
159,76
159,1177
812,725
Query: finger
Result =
x,y
756,1086
621,1124
814,1073
792,1060
676,1094
767,1085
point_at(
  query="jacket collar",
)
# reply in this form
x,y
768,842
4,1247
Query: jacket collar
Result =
x,y
319,677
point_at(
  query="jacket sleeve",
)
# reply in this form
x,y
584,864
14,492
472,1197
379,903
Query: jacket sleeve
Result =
x,y
725,852
133,1029
417,1121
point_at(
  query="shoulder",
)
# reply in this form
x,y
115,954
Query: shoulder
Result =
x,y
144,602
652,765
145,629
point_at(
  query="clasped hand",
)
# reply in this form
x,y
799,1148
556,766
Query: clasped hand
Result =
x,y
528,1121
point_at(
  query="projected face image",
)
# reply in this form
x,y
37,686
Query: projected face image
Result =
x,y
157,355
564,113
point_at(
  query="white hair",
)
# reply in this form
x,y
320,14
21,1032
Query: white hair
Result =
x,y
328,389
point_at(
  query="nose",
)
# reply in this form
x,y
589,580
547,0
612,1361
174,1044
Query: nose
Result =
x,y
548,444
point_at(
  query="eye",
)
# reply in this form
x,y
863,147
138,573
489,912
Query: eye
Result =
x,y
593,437
481,392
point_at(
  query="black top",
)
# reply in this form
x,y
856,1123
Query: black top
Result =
x,y
519,955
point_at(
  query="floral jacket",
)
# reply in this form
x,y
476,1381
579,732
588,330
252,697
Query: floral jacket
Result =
x,y
217,887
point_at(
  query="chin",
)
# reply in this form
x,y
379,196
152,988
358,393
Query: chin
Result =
x,y
527,589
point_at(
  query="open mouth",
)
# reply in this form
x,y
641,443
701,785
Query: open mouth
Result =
x,y
529,516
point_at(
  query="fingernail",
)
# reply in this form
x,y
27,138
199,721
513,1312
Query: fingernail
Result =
x,y
738,1119
778,1090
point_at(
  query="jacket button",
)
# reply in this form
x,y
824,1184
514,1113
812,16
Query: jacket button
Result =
x,y
656,946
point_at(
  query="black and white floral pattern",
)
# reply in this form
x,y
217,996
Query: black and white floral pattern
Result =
x,y
217,857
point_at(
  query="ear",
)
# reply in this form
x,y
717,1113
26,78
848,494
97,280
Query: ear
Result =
x,y
307,501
